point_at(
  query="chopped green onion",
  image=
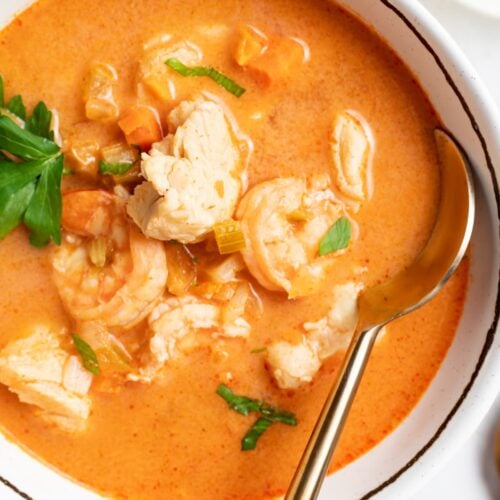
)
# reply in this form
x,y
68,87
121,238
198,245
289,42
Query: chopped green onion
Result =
x,y
87,354
244,406
336,238
212,73
115,168
229,237
249,441
240,404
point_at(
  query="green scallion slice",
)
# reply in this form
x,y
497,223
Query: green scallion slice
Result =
x,y
212,73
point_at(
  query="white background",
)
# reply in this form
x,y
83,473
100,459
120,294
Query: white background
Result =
x,y
471,473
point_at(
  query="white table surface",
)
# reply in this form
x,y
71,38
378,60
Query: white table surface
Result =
x,y
471,474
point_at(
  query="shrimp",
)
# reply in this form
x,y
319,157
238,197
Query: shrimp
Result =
x,y
106,270
283,221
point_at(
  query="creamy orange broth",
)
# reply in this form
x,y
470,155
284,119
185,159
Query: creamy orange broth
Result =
x,y
176,438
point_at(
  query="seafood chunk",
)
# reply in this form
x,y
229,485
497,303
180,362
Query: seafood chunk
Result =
x,y
106,270
191,176
41,373
351,146
174,324
333,332
293,365
283,221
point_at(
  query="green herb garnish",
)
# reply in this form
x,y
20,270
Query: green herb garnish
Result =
x,y
2,98
89,358
115,168
30,187
212,73
16,106
244,406
249,441
336,238
39,122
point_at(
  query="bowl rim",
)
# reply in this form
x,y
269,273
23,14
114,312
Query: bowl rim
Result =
x,y
406,10
470,81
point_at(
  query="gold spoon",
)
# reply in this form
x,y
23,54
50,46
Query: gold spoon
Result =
x,y
379,305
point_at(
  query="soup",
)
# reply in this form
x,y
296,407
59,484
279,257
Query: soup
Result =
x,y
235,174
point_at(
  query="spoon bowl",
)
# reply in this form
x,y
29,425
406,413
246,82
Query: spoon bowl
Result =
x,y
379,305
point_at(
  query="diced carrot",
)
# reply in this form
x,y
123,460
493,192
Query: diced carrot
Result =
x,y
158,86
250,45
278,62
141,127
87,212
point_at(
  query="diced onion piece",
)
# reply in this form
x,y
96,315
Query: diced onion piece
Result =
x,y
251,44
227,270
233,322
210,290
141,127
83,157
100,103
75,377
119,152
181,269
111,353
113,358
229,237
98,249
300,215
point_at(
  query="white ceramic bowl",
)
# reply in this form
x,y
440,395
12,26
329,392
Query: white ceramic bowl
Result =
x,y
468,381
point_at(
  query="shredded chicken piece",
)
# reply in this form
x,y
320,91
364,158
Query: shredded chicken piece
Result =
x,y
192,176
42,374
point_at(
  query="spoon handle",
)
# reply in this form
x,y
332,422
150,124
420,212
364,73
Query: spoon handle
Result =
x,y
316,458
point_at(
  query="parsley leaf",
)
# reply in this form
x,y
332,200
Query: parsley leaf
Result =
x,y
115,168
2,98
89,358
16,106
30,185
43,215
244,406
212,73
23,143
39,122
13,206
336,238
249,441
